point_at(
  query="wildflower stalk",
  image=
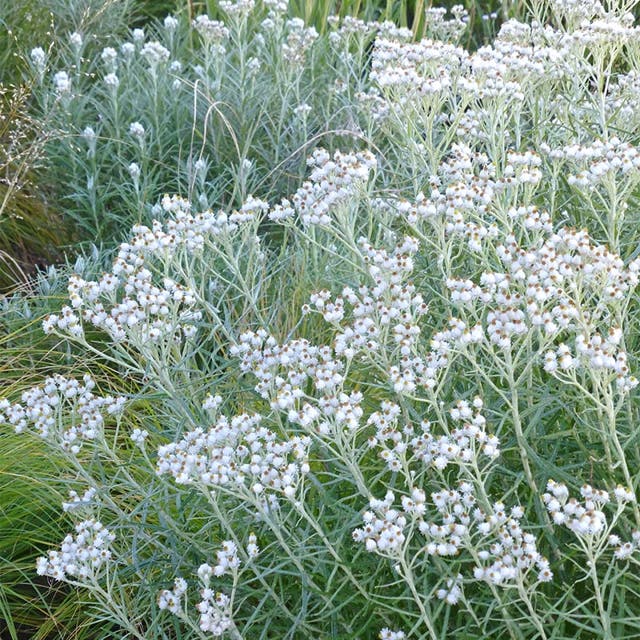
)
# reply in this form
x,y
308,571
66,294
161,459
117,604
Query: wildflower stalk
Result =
x,y
611,421
592,557
228,526
425,616
523,445
299,507
525,597
118,611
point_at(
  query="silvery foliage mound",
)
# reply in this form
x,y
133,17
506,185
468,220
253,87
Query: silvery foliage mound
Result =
x,y
399,401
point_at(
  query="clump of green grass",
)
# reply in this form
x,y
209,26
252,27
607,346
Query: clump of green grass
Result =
x,y
30,232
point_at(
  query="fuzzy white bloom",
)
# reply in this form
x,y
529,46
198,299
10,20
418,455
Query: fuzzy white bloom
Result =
x,y
43,408
383,530
586,519
211,31
237,454
77,502
453,591
228,560
137,130
154,53
170,23
134,171
128,49
172,600
252,546
212,403
112,81
75,40
215,614
62,82
139,436
38,57
110,58
80,556
624,494
302,110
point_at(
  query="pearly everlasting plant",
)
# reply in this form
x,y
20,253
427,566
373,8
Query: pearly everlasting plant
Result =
x,y
345,398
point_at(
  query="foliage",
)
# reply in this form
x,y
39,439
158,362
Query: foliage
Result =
x,y
380,389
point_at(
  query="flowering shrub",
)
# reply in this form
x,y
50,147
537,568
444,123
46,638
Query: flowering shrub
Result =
x,y
343,405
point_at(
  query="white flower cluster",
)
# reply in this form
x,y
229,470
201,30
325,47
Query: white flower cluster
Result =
x,y
139,436
333,184
45,409
507,552
447,538
211,31
388,311
465,192
78,502
623,98
598,161
76,40
299,40
253,550
62,83
452,593
503,552
80,556
465,187
585,519
155,54
172,600
215,612
383,529
128,302
559,283
406,73
462,446
408,70
598,354
392,306
109,57
238,455
212,403
227,557
348,29
214,608
39,60
624,549
388,634
283,372
509,70
456,337
609,32
170,23
300,361
237,7
439,27
137,130
228,560
510,554
577,11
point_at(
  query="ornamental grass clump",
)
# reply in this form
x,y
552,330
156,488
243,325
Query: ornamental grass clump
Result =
x,y
358,408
